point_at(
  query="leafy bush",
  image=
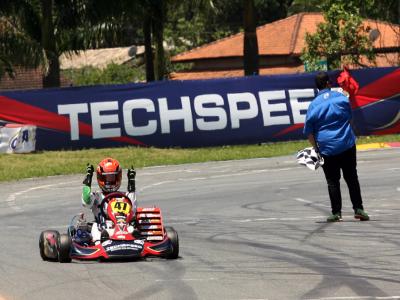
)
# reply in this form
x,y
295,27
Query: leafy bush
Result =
x,y
112,74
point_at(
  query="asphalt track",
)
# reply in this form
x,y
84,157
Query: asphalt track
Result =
x,y
250,229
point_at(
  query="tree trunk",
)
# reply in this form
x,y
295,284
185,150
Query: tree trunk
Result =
x,y
158,34
250,46
148,52
52,77
398,12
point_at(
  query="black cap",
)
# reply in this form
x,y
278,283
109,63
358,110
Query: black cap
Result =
x,y
322,80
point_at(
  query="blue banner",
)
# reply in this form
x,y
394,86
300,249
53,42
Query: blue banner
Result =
x,y
201,113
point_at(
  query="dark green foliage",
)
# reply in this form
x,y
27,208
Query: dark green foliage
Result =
x,y
43,29
190,24
72,25
18,49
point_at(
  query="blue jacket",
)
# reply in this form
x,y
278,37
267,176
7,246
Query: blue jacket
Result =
x,y
328,119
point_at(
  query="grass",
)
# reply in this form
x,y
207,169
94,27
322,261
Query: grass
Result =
x,y
47,163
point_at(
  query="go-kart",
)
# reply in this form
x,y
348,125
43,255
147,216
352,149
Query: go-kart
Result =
x,y
148,237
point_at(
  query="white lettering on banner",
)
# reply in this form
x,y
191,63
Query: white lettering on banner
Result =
x,y
97,119
216,112
242,114
297,106
267,108
168,115
128,108
210,112
73,110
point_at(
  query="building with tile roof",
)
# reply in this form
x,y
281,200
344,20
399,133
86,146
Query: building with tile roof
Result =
x,y
280,44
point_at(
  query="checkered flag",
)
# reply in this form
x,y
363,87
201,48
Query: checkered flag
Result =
x,y
310,158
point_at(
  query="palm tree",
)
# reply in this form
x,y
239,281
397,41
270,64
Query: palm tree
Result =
x,y
18,49
148,52
153,29
48,28
250,47
155,12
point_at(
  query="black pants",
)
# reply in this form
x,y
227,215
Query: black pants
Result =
x,y
347,162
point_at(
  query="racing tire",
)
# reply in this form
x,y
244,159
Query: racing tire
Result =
x,y
64,246
174,239
42,244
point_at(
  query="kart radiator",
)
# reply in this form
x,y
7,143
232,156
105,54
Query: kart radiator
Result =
x,y
150,224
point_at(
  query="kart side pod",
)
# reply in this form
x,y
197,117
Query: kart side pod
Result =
x,y
150,223
151,228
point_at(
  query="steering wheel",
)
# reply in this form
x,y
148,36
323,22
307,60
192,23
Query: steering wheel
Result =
x,y
109,197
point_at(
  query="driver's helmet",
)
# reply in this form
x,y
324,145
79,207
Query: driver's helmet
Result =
x,y
109,175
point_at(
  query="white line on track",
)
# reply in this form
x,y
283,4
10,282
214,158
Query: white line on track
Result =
x,y
214,176
155,184
13,197
310,202
186,279
169,172
277,219
359,297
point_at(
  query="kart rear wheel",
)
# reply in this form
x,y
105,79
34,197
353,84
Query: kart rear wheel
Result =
x,y
63,246
174,239
48,251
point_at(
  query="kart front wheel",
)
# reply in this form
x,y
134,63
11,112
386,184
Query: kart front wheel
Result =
x,y
47,244
63,247
174,243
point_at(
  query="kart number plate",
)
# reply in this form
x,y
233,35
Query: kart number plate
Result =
x,y
120,207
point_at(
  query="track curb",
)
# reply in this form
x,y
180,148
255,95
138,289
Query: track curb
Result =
x,y
371,146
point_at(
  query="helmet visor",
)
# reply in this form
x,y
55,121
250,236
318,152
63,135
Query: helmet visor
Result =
x,y
109,177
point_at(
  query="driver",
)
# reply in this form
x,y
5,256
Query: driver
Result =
x,y
109,176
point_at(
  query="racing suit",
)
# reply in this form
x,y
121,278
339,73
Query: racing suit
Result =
x,y
92,200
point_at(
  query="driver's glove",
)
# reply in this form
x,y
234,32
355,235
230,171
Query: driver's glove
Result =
x,y
89,174
131,180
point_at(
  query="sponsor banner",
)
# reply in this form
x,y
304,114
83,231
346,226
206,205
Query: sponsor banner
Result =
x,y
16,138
199,113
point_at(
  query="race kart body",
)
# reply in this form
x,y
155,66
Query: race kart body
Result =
x,y
129,235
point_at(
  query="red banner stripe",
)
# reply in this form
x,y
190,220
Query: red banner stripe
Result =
x,y
15,111
382,88
289,129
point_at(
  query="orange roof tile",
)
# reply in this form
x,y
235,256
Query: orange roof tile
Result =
x,y
283,37
192,75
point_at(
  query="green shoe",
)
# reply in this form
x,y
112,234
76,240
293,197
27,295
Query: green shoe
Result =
x,y
334,218
361,215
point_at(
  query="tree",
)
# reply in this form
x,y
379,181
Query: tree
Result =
x,y
299,6
48,42
384,10
143,19
48,27
148,51
16,48
340,39
158,11
250,45
191,24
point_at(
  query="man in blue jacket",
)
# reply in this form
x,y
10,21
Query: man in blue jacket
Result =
x,y
328,128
